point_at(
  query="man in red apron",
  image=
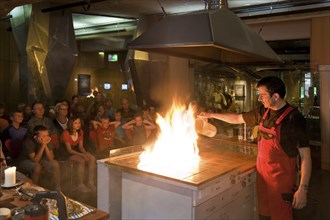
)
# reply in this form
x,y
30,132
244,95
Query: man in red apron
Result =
x,y
283,137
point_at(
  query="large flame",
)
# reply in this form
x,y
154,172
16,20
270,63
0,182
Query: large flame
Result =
x,y
175,152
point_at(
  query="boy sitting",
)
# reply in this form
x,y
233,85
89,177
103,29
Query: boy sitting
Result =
x,y
37,155
105,138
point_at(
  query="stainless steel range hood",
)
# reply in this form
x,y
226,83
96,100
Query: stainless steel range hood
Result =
x,y
215,36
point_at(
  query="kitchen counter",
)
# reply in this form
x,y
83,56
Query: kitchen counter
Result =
x,y
232,140
214,162
225,175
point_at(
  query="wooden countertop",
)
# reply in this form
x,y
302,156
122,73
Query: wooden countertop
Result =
x,y
216,158
12,200
233,140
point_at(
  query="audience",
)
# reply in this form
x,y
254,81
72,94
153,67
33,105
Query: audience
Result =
x,y
105,135
120,136
3,113
73,106
39,118
140,128
61,120
37,155
127,113
146,114
92,108
37,133
96,121
60,124
14,131
27,114
109,109
4,120
73,139
2,156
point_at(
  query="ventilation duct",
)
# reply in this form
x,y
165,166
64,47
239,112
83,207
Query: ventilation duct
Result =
x,y
214,36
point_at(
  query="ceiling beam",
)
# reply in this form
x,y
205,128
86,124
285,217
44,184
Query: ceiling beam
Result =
x,y
71,5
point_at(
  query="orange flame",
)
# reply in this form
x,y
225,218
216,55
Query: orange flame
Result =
x,y
92,92
175,152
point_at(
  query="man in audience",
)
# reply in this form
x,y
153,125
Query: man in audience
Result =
x,y
37,155
39,118
127,113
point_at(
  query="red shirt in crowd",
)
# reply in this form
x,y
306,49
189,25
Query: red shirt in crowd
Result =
x,y
105,138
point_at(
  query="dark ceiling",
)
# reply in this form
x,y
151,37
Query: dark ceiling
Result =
x,y
296,51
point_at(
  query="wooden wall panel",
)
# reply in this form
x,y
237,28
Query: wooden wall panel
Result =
x,y
320,42
9,86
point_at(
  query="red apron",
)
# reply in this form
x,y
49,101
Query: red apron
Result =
x,y
276,172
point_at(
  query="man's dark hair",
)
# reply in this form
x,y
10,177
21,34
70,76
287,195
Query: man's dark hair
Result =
x,y
39,128
274,85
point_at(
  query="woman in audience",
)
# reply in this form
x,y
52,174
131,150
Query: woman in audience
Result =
x,y
60,124
73,106
75,151
61,120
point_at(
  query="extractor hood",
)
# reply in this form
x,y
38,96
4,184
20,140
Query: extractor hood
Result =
x,y
214,36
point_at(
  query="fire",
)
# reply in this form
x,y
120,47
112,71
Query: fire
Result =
x,y
175,152
92,92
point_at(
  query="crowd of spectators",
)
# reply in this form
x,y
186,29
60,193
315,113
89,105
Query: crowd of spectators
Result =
x,y
34,140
